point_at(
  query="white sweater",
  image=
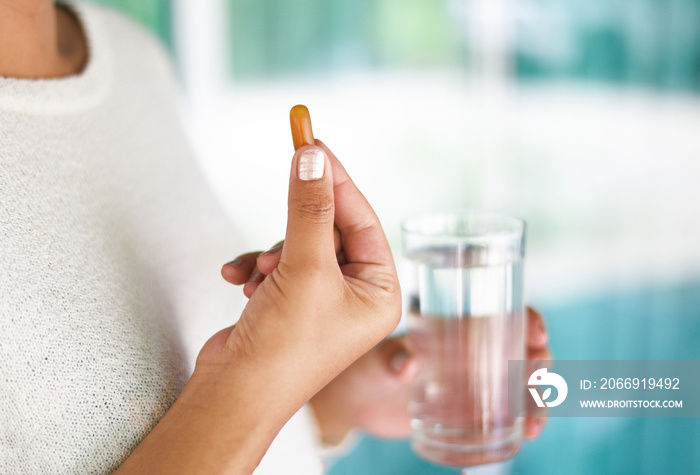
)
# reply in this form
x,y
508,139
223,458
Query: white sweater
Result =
x,y
110,251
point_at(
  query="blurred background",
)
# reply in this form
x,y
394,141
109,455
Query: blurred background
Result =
x,y
581,116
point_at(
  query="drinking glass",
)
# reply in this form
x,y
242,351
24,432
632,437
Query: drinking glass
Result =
x,y
464,286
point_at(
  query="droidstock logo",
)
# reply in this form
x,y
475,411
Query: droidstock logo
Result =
x,y
542,378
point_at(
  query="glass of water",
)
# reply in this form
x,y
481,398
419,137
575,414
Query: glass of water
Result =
x,y
463,283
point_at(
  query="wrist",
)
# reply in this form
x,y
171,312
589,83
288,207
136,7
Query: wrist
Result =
x,y
237,394
217,425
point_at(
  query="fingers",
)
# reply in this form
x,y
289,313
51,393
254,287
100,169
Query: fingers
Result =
x,y
238,271
309,236
537,336
251,286
362,235
265,263
268,260
251,268
534,426
319,201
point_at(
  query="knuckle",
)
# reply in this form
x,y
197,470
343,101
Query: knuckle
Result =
x,y
392,302
388,282
383,300
318,209
391,286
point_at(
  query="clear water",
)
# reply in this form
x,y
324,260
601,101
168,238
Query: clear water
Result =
x,y
466,321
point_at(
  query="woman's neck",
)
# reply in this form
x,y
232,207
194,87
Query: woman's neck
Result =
x,y
40,40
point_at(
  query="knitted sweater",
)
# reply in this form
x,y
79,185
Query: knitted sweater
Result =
x,y
110,250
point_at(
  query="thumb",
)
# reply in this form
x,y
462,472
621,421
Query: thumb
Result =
x,y
309,238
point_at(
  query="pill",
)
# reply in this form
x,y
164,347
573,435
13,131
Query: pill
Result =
x,y
300,120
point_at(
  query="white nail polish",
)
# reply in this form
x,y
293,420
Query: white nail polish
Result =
x,y
311,164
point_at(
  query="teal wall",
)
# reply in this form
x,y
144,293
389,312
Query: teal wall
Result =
x,y
639,42
277,37
653,43
154,14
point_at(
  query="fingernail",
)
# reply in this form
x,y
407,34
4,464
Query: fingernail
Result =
x,y
235,263
398,361
274,250
311,164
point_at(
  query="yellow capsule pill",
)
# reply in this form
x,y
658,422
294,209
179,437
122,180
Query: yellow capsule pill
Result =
x,y
300,120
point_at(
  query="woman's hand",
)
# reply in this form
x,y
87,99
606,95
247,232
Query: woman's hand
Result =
x,y
312,315
310,318
373,393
